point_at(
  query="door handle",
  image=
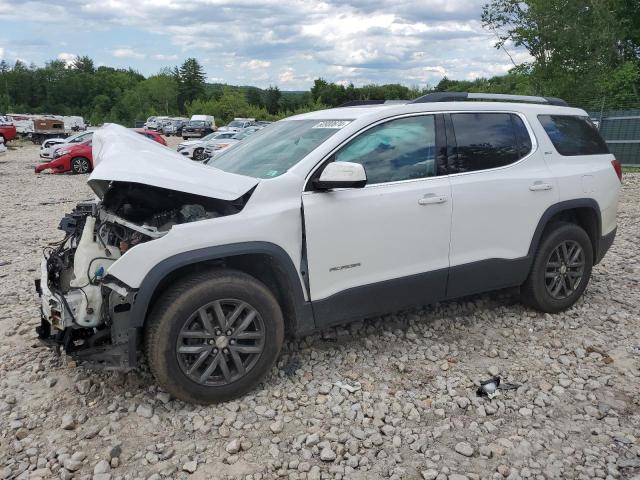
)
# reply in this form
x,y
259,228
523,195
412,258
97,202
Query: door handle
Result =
x,y
431,199
540,186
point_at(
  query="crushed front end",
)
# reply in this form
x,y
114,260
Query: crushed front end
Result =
x,y
84,310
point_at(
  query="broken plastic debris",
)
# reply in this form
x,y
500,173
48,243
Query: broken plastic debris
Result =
x,y
349,388
606,358
489,388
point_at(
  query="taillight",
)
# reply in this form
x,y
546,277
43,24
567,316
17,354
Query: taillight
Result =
x,y
618,168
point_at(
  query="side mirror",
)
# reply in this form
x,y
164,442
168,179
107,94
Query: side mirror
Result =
x,y
341,175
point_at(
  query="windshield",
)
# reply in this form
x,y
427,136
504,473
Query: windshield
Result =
x,y
236,124
196,123
272,151
211,136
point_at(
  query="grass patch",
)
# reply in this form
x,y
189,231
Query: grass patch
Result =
x,y
630,169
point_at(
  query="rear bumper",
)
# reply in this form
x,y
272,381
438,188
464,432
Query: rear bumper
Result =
x,y
604,244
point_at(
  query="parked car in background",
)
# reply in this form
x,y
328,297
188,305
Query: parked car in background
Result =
x,y
74,124
7,129
49,146
174,126
3,149
218,145
76,158
238,124
154,123
47,127
194,149
206,118
153,135
197,129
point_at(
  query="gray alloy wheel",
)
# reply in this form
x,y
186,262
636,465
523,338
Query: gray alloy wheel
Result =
x,y
564,269
221,342
80,165
198,154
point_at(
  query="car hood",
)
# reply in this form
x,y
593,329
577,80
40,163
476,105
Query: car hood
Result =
x,y
122,155
188,143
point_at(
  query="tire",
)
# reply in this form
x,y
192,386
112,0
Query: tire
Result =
x,y
181,348
198,154
555,284
185,138
80,165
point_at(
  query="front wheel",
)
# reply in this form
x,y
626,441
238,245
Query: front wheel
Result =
x,y
80,165
199,155
561,269
214,336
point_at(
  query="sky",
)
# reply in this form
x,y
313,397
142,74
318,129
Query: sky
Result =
x,y
287,43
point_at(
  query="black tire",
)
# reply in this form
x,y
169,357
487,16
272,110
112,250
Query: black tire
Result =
x,y
198,154
80,165
185,138
545,277
180,306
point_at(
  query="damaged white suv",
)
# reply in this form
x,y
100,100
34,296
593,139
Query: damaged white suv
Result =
x,y
320,219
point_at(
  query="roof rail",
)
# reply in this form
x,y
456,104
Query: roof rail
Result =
x,y
356,103
462,96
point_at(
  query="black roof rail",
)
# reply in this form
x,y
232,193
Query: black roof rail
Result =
x,y
357,103
463,96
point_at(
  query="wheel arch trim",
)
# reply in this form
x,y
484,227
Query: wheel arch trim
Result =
x,y
560,207
140,308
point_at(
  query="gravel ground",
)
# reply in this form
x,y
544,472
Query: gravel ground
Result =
x,y
393,397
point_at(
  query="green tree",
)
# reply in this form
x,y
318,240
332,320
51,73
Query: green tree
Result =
x,y
272,100
191,80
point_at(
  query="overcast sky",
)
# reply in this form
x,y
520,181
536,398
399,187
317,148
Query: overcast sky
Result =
x,y
287,43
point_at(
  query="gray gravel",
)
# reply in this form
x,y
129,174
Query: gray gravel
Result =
x,y
392,397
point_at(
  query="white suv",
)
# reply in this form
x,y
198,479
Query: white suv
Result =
x,y
318,220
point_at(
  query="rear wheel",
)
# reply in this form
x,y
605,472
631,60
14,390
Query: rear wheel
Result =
x,y
214,336
80,165
561,269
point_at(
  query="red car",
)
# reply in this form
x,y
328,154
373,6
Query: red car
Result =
x,y
152,135
7,131
78,157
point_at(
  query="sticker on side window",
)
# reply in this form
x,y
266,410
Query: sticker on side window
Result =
x,y
332,124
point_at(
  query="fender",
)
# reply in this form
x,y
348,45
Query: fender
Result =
x,y
560,207
303,312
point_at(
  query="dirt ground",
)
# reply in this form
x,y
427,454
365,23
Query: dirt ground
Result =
x,y
412,413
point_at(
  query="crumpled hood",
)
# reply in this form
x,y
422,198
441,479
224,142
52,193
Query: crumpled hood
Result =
x,y
120,154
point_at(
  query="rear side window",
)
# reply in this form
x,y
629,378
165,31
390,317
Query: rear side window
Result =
x,y
573,135
488,140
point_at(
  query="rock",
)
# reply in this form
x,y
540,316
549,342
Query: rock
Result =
x,y
83,386
68,422
312,440
144,410
327,455
190,467
430,474
233,446
72,465
463,448
277,426
102,467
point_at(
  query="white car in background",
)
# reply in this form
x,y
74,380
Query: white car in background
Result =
x,y
194,149
238,124
218,145
49,147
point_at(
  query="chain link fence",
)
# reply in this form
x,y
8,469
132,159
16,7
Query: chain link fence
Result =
x,y
618,120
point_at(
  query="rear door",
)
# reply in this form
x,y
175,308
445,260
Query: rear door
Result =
x,y
385,246
501,186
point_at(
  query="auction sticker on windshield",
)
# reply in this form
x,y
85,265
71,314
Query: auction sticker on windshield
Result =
x,y
332,124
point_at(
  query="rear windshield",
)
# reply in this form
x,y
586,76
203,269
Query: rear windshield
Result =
x,y
573,135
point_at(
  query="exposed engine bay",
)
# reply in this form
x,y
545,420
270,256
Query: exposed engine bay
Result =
x,y
79,300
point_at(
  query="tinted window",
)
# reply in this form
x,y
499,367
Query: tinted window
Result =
x,y
397,150
488,140
573,135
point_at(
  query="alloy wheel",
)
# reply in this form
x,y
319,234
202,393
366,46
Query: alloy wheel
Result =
x,y
80,165
564,269
220,342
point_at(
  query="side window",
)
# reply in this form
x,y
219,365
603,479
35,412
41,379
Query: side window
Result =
x,y
488,140
573,135
401,149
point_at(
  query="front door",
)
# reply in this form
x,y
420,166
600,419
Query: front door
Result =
x,y
385,246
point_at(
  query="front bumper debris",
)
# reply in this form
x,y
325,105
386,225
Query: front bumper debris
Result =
x,y
112,347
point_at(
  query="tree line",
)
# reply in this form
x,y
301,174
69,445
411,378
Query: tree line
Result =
x,y
587,52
